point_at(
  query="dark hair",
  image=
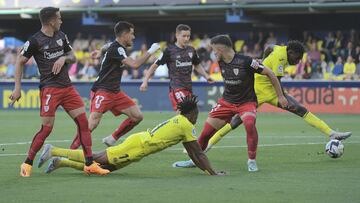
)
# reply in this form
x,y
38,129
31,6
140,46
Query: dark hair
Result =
x,y
223,40
187,105
296,46
47,13
182,27
121,27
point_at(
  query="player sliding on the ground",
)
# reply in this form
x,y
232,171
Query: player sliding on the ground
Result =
x,y
136,146
276,58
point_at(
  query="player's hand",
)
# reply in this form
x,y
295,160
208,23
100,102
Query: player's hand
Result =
x,y
154,47
221,173
143,86
58,65
210,80
283,102
95,54
15,96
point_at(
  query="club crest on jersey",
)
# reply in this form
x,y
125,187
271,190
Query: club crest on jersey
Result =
x,y
236,71
46,108
190,54
59,42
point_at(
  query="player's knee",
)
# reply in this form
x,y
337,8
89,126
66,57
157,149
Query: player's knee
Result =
x,y
249,123
235,121
137,118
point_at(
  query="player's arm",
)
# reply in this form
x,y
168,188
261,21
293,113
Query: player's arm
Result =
x,y
276,83
147,76
199,158
142,59
69,57
19,67
268,51
203,73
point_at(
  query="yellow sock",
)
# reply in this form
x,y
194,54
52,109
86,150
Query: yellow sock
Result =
x,y
75,155
317,123
220,134
72,164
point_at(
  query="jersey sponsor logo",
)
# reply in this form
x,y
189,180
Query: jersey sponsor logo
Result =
x,y
59,42
236,71
49,55
183,64
190,54
233,82
122,52
281,69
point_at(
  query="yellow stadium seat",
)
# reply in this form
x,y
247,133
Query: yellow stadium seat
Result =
x,y
238,45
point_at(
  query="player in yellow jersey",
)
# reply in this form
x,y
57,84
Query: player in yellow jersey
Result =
x,y
137,146
277,58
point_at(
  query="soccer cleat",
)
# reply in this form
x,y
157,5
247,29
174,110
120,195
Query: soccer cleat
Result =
x,y
335,135
252,167
184,164
109,141
53,165
94,168
25,170
45,155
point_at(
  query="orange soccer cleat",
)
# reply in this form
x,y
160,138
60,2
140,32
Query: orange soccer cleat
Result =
x,y
94,168
25,170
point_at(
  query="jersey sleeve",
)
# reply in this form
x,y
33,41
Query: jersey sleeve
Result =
x,y
67,46
119,54
195,59
189,132
163,58
254,65
29,48
276,63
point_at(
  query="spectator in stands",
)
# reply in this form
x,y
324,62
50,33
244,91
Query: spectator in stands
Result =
x,y
271,39
251,40
245,50
349,68
338,69
257,52
349,51
31,70
314,56
357,72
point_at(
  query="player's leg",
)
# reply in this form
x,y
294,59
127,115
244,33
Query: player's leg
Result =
x,y
94,120
248,116
74,106
234,123
127,106
49,100
298,109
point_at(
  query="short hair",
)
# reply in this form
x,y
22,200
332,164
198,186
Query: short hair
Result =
x,y
122,27
182,27
47,13
296,46
187,104
223,40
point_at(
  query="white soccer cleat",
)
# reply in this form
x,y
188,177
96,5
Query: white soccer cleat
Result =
x,y
335,135
184,164
109,141
252,167
45,155
53,165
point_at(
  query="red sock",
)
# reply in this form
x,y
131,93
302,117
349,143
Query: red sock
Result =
x,y
76,142
205,136
251,136
124,127
38,141
84,134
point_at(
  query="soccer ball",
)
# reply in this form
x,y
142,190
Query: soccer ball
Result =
x,y
334,148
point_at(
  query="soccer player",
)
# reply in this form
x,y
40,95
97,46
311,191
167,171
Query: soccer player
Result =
x,y
277,58
138,145
52,52
106,94
180,59
239,95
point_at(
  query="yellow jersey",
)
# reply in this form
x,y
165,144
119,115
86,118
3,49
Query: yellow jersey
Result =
x,y
276,61
168,133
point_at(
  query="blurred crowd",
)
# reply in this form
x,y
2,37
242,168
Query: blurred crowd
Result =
x,y
329,56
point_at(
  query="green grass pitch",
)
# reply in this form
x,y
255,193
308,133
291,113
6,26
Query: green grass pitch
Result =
x,y
291,159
